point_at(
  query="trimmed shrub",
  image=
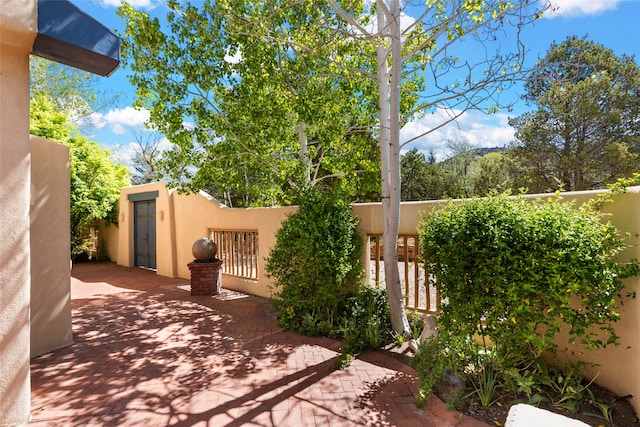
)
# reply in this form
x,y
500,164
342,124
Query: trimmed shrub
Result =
x,y
512,273
316,264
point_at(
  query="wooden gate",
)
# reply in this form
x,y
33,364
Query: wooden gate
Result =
x,y
145,233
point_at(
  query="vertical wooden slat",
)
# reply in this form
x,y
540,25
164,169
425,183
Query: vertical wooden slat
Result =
x,y
415,301
248,251
406,270
416,273
256,241
225,247
254,268
239,249
234,253
229,243
250,255
244,254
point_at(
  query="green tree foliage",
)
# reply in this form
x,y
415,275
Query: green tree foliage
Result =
x,y
490,173
584,133
419,176
454,170
71,91
95,179
469,172
514,272
263,89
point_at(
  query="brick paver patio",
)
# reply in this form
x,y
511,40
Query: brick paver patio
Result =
x,y
146,353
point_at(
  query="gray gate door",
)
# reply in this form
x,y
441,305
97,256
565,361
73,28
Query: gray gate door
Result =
x,y
145,233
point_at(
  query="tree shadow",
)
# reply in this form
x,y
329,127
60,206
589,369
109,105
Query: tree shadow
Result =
x,y
161,357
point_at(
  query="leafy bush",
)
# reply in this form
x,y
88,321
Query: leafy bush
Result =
x,y
512,274
367,320
319,280
96,180
316,264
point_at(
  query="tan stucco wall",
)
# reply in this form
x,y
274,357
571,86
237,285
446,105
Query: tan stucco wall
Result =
x,y
165,230
18,26
109,235
263,220
619,366
193,214
50,236
182,219
188,217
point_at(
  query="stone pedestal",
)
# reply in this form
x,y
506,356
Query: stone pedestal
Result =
x,y
204,277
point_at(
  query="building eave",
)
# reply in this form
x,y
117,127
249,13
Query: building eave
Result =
x,y
69,36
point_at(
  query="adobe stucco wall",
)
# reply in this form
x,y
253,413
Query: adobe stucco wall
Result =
x,y
263,220
181,219
18,27
184,218
619,366
165,230
50,253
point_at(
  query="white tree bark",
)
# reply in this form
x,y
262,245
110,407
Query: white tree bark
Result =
x,y
389,103
481,88
304,149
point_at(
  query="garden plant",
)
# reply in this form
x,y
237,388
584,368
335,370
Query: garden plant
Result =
x,y
513,273
319,286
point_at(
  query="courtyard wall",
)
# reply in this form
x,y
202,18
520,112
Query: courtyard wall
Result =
x,y
182,219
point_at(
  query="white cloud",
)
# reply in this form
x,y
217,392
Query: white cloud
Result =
x,y
120,119
137,4
474,127
92,121
570,8
233,59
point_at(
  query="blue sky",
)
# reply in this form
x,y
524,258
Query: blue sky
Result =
x,y
613,23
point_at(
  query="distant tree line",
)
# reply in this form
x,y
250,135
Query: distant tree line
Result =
x,y
583,134
468,172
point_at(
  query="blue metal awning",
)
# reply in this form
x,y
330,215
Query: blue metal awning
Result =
x,y
68,35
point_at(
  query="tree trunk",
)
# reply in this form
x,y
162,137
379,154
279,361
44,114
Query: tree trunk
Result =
x,y
304,150
389,103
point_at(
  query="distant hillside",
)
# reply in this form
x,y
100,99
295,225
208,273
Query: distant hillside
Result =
x,y
479,152
475,153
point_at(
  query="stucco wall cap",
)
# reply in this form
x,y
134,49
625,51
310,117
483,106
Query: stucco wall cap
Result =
x,y
18,23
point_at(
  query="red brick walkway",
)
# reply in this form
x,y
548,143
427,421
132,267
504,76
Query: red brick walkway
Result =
x,y
147,353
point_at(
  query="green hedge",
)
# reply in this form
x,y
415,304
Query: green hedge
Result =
x,y
512,273
315,262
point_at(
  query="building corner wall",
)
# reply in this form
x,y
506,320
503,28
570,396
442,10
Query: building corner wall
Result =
x,y
50,251
18,27
165,233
